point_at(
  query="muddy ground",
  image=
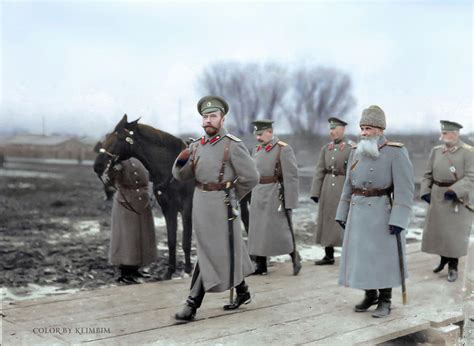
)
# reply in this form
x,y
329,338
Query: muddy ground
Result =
x,y
55,229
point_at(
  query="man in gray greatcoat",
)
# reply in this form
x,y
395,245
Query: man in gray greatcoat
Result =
x,y
224,172
132,240
273,199
327,186
377,169
448,187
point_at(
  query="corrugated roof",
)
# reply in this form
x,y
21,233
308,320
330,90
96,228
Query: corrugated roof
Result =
x,y
37,140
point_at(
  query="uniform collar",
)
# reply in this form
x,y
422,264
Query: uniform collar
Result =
x,y
215,138
382,141
453,148
341,143
269,145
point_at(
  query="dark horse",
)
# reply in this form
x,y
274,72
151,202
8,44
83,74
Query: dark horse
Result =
x,y
157,150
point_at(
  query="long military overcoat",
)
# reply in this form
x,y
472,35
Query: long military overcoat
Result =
x,y
269,231
369,252
210,211
448,224
132,240
327,186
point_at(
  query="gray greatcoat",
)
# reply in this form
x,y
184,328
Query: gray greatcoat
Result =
x,y
446,232
132,241
269,231
327,187
369,252
210,211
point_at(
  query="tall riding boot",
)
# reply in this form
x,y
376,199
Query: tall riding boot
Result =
x,y
194,301
296,259
385,303
328,258
243,297
261,262
371,298
453,269
440,266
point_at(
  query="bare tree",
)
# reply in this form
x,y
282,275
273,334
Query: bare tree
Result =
x,y
253,91
316,95
306,97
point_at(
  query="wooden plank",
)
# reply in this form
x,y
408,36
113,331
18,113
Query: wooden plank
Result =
x,y
310,308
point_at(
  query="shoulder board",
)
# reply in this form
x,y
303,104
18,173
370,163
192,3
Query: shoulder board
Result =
x,y
441,146
353,145
468,147
395,144
283,144
234,138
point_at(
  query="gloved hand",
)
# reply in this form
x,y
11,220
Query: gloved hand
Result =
x,y
426,198
183,157
395,229
341,223
315,199
450,195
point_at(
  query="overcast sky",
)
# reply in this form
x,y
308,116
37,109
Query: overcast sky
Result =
x,y
81,65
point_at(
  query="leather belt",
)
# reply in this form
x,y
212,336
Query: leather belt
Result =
x,y
334,172
212,186
372,192
268,179
443,184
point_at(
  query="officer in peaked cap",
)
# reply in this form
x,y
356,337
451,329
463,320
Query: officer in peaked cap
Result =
x,y
327,186
273,199
224,173
209,104
448,187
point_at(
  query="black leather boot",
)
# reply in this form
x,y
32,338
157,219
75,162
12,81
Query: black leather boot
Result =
x,y
296,258
261,262
453,269
126,274
370,299
243,297
328,258
385,303
441,265
188,312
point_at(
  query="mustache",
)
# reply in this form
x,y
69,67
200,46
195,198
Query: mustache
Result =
x,y
209,126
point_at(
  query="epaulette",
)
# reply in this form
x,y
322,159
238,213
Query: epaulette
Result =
x,y
395,144
237,139
468,147
441,146
283,144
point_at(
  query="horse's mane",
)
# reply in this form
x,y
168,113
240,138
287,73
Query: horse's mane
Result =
x,y
159,137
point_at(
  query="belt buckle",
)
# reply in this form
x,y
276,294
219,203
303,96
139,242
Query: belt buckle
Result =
x,y
364,191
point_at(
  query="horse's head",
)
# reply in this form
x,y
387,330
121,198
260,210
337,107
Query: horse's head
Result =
x,y
117,146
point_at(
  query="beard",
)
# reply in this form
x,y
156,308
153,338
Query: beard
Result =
x,y
210,130
448,142
368,146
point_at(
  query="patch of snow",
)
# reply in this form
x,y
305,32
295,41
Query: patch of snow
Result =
x,y
87,227
32,291
18,173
